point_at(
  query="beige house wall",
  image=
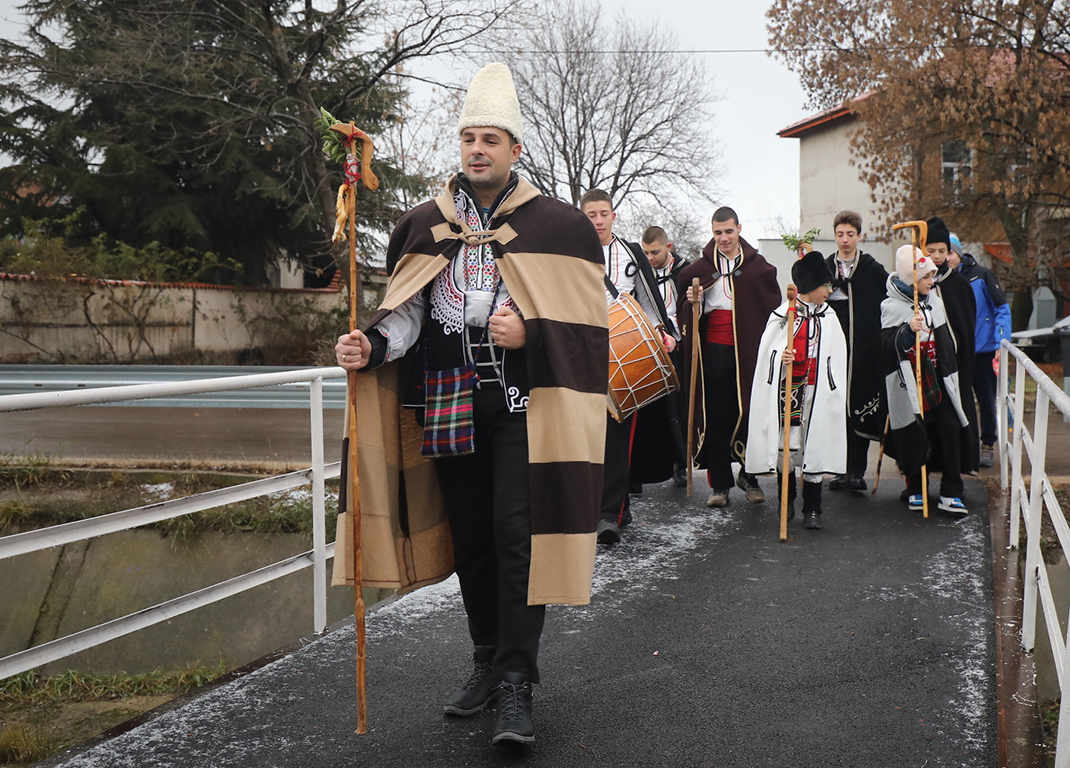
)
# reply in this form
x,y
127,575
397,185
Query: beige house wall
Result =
x,y
829,183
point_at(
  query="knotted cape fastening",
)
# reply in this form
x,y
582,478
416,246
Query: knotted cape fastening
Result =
x,y
503,234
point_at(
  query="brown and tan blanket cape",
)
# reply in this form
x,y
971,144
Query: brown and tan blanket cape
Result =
x,y
551,262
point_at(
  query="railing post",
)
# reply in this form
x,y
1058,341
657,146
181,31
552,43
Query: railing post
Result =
x,y
1016,454
319,510
1033,560
1001,416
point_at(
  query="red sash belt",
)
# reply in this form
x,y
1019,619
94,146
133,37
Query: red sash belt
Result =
x,y
719,329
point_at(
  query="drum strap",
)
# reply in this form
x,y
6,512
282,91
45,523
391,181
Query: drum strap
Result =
x,y
610,287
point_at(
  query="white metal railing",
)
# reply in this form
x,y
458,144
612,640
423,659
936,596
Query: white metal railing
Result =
x,y
80,530
1030,505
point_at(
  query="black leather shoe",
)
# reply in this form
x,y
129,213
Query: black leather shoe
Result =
x,y
514,711
679,478
479,690
855,483
608,532
812,520
840,483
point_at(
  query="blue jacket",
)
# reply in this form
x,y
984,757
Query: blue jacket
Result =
x,y
993,311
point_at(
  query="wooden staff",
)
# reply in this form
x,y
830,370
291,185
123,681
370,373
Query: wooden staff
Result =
x,y
696,313
347,197
787,419
917,227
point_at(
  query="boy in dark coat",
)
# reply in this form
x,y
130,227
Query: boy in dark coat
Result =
x,y
859,287
961,308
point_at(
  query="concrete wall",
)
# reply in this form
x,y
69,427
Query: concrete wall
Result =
x,y
61,591
48,321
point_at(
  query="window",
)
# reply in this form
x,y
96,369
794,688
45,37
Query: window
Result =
x,y
955,161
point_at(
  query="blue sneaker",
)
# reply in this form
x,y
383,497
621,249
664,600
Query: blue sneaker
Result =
x,y
915,502
954,505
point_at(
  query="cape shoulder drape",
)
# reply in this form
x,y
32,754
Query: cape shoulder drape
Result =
x,y
550,260
907,441
860,318
823,439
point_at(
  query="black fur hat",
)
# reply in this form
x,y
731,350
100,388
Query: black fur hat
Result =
x,y
810,272
938,232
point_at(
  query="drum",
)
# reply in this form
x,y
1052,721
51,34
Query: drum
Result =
x,y
639,367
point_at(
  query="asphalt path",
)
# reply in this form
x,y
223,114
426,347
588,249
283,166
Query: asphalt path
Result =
x,y
707,643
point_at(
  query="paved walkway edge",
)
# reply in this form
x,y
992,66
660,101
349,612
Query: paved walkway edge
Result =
x,y
1018,738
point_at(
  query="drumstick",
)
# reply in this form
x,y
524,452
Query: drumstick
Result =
x,y
696,313
787,419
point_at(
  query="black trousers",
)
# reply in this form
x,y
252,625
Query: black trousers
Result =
x,y
486,496
857,453
984,386
722,412
945,435
615,504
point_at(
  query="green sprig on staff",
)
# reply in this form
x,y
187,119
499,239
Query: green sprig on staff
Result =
x,y
334,143
795,242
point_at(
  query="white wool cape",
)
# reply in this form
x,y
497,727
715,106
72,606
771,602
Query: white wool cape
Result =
x,y
823,433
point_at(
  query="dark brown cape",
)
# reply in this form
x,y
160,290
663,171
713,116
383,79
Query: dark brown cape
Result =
x,y
551,262
755,294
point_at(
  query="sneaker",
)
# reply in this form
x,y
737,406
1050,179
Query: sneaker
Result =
x,y
608,532
718,499
812,520
988,456
479,689
838,483
915,502
749,486
514,711
954,505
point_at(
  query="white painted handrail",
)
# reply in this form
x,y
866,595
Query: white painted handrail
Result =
x,y
1030,506
58,535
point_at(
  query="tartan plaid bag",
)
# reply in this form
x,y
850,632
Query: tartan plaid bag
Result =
x,y
930,378
448,424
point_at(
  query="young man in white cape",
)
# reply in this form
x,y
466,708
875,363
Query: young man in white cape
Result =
x,y
817,361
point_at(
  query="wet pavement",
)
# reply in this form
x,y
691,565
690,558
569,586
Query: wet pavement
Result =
x,y
242,436
707,643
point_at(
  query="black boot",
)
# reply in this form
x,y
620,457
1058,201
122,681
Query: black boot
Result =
x,y
514,710
791,492
479,690
812,506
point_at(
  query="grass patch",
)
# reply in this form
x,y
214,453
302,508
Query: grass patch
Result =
x,y
23,744
35,688
43,715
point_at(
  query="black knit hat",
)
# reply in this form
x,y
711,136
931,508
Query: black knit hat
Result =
x,y
810,272
938,232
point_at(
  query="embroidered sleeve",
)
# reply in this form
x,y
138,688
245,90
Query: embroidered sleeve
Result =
x,y
402,327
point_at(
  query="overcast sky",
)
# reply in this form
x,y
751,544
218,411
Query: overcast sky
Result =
x,y
760,98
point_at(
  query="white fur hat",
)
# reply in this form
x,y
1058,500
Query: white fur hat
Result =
x,y
492,101
904,263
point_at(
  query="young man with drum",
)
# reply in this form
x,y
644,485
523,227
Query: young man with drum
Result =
x,y
494,317
627,271
738,289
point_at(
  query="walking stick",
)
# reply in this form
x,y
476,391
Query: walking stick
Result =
x,y
915,228
880,455
347,209
696,313
787,418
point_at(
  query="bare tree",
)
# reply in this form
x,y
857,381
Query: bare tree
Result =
x,y
615,107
